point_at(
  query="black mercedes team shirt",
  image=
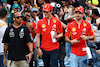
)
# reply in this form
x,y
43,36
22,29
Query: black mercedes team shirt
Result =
x,y
17,38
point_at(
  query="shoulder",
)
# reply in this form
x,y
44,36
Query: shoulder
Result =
x,y
72,23
85,22
24,27
41,20
54,18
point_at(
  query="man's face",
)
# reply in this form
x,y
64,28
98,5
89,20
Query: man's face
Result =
x,y
15,9
27,15
1,7
93,16
18,18
79,15
47,14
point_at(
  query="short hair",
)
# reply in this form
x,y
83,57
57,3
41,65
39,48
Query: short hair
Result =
x,y
76,4
27,10
3,13
95,11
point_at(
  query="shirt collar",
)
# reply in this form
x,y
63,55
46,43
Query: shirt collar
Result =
x,y
81,22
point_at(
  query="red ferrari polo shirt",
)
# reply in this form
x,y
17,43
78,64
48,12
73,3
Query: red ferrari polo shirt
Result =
x,y
74,30
45,27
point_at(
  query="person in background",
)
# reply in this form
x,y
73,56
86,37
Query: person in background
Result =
x,y
62,53
15,39
3,26
34,12
78,33
5,4
15,9
31,25
96,29
49,47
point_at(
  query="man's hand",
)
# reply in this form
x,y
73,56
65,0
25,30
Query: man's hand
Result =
x,y
40,53
74,41
5,61
84,37
29,56
98,51
55,36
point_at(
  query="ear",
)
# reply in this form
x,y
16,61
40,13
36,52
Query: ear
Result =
x,y
13,18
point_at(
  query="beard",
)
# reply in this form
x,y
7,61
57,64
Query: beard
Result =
x,y
78,18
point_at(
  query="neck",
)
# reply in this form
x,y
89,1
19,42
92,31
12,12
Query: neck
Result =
x,y
79,21
96,17
48,18
16,24
3,19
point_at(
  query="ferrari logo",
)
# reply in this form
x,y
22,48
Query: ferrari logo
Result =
x,y
45,6
84,24
78,8
54,21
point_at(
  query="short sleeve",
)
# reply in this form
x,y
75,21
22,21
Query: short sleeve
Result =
x,y
67,31
28,36
38,28
90,31
60,27
6,36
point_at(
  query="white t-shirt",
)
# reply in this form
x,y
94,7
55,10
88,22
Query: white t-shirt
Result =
x,y
3,27
98,21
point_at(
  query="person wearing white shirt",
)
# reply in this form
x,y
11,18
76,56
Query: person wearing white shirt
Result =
x,y
3,27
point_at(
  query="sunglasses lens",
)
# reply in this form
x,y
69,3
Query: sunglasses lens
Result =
x,y
19,17
45,12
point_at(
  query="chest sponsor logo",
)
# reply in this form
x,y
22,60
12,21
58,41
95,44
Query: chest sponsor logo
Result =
x,y
73,29
43,25
21,33
11,33
44,30
84,29
74,33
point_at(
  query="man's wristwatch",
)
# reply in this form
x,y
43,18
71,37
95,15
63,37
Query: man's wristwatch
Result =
x,y
38,47
31,52
88,37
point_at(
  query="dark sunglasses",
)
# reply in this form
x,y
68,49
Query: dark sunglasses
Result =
x,y
19,17
45,12
79,12
28,15
35,11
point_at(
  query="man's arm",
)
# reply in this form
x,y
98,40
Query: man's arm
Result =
x,y
30,46
38,45
58,36
63,25
4,58
74,41
87,37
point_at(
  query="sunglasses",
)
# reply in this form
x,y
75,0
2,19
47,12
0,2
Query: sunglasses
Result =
x,y
19,17
46,12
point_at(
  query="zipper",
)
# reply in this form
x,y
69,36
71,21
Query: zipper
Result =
x,y
48,22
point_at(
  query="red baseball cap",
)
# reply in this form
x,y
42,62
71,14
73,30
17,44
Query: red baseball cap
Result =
x,y
47,7
80,9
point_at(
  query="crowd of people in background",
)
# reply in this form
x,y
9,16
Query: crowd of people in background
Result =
x,y
52,30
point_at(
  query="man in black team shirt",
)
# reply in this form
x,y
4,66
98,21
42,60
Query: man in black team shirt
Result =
x,y
15,39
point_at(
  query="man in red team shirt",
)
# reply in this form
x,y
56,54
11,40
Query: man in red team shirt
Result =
x,y
49,48
80,31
